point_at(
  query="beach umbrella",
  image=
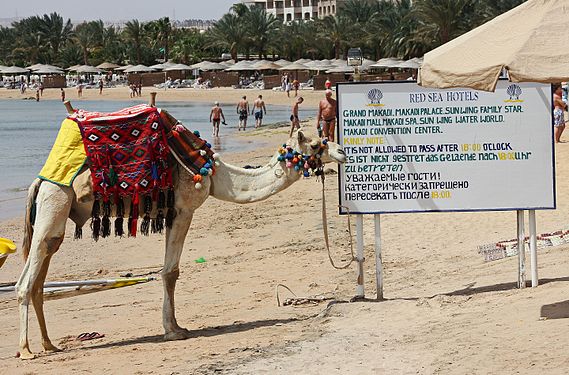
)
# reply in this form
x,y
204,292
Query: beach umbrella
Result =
x,y
228,63
124,67
200,64
414,63
34,68
108,66
268,65
88,69
303,61
139,69
241,65
177,67
73,67
47,70
528,41
295,66
162,66
341,69
283,62
213,66
14,70
387,62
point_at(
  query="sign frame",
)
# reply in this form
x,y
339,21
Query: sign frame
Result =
x,y
342,211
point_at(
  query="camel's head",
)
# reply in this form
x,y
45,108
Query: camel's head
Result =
x,y
326,151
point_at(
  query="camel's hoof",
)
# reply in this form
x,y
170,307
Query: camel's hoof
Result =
x,y
26,354
51,348
181,334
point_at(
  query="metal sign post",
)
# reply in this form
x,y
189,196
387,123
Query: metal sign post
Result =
x,y
533,248
521,251
360,293
378,260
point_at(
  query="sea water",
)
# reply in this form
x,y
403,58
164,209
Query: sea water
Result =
x,y
28,130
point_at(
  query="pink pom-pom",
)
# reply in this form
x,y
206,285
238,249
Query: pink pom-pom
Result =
x,y
288,164
306,166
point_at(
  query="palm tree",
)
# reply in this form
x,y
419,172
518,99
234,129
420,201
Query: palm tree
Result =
x,y
359,12
134,33
442,20
229,32
261,27
161,30
87,37
55,32
337,30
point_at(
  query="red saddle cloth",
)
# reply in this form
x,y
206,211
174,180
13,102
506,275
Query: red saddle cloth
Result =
x,y
129,157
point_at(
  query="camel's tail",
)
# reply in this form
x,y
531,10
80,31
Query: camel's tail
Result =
x,y
30,217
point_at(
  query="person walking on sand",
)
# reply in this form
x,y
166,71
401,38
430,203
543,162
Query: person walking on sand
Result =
x,y
62,92
41,88
100,86
295,86
258,108
327,116
243,112
215,117
80,90
294,120
558,116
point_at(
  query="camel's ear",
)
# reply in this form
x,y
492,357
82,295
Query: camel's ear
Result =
x,y
301,137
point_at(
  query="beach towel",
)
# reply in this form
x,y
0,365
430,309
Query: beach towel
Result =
x,y
129,158
67,156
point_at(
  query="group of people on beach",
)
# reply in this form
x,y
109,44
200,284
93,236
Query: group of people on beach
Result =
x,y
325,119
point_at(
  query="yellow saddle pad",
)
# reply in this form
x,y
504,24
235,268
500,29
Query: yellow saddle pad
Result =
x,y
67,155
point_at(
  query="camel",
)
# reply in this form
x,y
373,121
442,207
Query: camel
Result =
x,y
55,204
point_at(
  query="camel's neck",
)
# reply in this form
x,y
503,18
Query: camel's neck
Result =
x,y
239,185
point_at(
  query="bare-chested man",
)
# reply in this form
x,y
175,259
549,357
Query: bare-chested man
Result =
x,y
215,117
258,108
243,112
327,116
294,120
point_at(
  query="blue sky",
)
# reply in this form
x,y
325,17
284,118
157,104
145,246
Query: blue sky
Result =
x,y
119,9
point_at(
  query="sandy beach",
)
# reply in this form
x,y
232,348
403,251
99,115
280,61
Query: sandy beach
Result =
x,y
221,94
446,310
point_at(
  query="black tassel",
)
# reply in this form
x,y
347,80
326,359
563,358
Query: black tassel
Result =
x,y
119,231
78,232
147,204
106,222
131,220
145,225
95,220
161,200
129,225
170,216
158,223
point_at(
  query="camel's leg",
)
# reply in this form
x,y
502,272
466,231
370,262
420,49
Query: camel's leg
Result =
x,y
53,206
37,299
174,245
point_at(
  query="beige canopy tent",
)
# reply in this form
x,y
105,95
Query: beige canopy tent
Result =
x,y
108,66
528,41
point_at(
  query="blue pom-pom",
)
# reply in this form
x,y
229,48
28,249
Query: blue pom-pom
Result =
x,y
280,158
196,133
289,156
208,145
207,165
284,145
306,174
296,168
324,142
204,171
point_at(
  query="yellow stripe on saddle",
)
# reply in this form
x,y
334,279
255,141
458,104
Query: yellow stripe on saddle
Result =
x,y
67,155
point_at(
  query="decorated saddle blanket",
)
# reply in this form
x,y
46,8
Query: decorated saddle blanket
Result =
x,y
129,156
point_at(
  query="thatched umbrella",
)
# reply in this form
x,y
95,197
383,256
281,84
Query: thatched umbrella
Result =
x,y
387,62
213,66
108,66
124,67
295,66
14,70
47,70
89,69
283,62
162,66
414,63
139,69
241,66
268,65
177,67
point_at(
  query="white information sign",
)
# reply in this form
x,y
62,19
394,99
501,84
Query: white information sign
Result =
x,y
414,149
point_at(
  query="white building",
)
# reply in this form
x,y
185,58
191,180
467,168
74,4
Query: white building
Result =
x,y
290,10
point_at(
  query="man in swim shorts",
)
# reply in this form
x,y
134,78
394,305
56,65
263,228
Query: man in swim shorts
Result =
x,y
258,108
215,117
326,119
243,112
294,120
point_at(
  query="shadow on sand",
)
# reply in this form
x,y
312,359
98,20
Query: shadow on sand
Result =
x,y
557,310
203,332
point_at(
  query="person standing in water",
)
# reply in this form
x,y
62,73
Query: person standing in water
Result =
x,y
243,112
294,120
258,108
215,117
